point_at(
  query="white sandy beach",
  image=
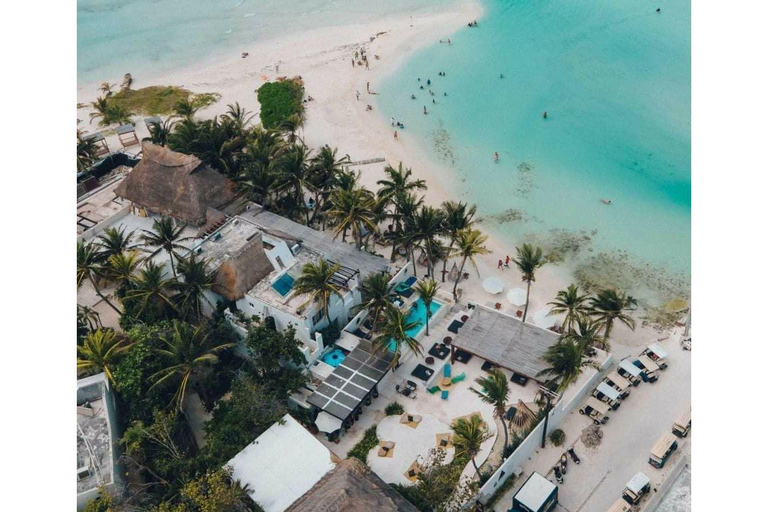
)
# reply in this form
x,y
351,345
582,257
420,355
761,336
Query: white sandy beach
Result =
x,y
322,58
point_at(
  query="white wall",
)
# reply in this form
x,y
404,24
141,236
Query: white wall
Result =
x,y
533,440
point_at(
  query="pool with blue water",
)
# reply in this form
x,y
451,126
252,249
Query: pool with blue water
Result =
x,y
334,357
284,284
417,314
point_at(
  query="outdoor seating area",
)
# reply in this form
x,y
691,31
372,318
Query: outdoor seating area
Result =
x,y
439,351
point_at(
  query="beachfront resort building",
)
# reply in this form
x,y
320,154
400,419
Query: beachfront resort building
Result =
x,y
287,469
97,436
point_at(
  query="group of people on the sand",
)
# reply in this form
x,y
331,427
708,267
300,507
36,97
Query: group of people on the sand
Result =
x,y
472,23
504,264
361,59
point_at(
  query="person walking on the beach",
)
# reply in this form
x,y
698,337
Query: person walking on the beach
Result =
x,y
496,159
353,62
501,265
368,87
357,95
366,64
395,134
506,262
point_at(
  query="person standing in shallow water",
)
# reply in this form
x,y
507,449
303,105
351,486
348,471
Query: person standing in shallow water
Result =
x,y
395,134
496,156
425,109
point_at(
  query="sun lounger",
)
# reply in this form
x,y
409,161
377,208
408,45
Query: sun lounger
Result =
x,y
410,280
434,389
447,370
459,378
444,394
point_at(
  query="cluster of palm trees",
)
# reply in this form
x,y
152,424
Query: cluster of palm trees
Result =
x,y
588,324
185,350
142,285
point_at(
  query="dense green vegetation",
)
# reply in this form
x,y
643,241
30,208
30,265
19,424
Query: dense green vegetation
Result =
x,y
169,349
394,409
439,487
280,101
369,441
149,101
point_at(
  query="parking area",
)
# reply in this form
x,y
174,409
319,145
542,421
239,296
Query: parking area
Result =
x,y
628,437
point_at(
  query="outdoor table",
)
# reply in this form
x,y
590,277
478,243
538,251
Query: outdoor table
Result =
x,y
447,340
429,360
422,372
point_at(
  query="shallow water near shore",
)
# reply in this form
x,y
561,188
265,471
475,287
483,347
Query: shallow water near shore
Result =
x,y
614,79
115,37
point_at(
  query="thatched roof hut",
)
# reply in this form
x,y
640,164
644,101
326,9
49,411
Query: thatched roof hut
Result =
x,y
351,487
177,185
243,270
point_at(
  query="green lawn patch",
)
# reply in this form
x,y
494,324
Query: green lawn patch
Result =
x,y
279,101
159,99
361,449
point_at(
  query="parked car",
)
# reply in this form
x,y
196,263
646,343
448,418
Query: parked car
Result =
x,y
596,410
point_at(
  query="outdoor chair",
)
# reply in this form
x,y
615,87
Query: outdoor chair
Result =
x,y
434,389
447,370
444,394
459,378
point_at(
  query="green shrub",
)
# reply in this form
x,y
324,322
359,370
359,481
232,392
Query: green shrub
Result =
x,y
159,99
330,333
557,437
279,101
394,409
361,449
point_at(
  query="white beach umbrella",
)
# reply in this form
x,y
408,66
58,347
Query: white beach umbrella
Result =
x,y
327,423
516,296
493,285
544,318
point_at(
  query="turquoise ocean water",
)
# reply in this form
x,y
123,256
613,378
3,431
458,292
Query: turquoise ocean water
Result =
x,y
614,78
613,75
115,37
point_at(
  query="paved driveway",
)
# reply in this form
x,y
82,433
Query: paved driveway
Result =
x,y
628,437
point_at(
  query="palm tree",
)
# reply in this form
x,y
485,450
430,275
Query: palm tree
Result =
x,y
427,290
528,261
290,126
494,390
115,241
238,116
458,216
406,205
185,109
566,360
89,317
101,107
166,234
159,133
609,306
324,168
586,332
468,437
293,175
316,280
353,209
195,281
424,231
469,243
89,269
106,88
100,352
376,292
86,152
398,182
186,351
120,269
572,304
151,291
395,332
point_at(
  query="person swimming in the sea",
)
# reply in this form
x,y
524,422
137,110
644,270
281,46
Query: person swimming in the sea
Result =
x,y
496,156
606,201
544,115
413,96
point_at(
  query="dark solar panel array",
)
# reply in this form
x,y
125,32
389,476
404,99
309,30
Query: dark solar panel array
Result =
x,y
351,381
342,276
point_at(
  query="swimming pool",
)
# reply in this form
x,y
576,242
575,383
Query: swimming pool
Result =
x,y
417,314
335,357
284,284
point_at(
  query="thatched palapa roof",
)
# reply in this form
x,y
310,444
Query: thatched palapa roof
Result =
x,y
175,184
243,270
351,487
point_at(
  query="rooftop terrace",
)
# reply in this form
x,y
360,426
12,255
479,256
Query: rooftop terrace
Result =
x,y
94,443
